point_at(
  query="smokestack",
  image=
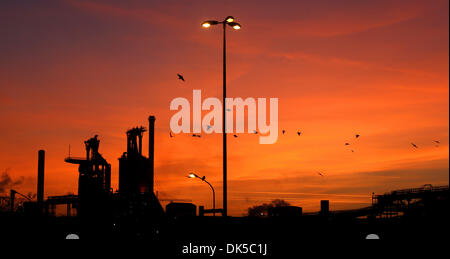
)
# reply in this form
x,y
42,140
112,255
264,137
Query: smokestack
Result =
x,y
40,184
151,149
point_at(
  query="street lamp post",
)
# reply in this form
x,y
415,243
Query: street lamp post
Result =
x,y
230,22
192,175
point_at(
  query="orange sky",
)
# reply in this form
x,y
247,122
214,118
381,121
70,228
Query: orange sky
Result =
x,y
72,69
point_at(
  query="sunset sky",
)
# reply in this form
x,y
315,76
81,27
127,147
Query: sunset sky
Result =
x,y
71,69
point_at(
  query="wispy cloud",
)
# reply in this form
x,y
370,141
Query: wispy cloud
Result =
x,y
146,15
7,182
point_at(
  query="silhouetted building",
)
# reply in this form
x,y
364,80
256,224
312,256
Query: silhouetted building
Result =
x,y
136,206
136,172
134,168
285,211
31,208
94,182
324,207
414,202
178,209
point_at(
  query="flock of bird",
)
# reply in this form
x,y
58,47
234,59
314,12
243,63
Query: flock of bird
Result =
x,y
208,127
284,132
299,133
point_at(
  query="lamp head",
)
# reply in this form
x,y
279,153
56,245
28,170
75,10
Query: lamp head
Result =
x,y
229,19
208,24
235,25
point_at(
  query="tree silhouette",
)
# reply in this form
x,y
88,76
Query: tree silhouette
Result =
x,y
262,210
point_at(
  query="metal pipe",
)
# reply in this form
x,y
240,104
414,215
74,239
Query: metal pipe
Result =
x,y
214,197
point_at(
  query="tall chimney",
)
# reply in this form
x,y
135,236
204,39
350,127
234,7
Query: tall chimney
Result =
x,y
40,183
151,149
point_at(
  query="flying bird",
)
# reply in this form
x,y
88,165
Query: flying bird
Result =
x,y
319,173
299,133
180,77
353,151
195,135
228,110
414,145
283,131
357,135
347,144
170,134
234,135
437,141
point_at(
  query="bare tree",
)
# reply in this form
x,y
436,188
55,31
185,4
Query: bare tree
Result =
x,y
262,210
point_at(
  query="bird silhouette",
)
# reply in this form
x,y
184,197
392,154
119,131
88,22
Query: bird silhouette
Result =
x,y
347,144
196,135
181,77
255,132
299,133
234,135
353,151
319,173
283,131
228,110
437,141
170,134
414,145
357,135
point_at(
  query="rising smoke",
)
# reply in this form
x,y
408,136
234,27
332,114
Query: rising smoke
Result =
x,y
6,182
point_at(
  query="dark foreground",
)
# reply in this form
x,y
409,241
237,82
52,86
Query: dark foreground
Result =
x,y
234,236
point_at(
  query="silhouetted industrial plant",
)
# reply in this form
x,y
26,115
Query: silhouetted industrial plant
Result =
x,y
135,212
